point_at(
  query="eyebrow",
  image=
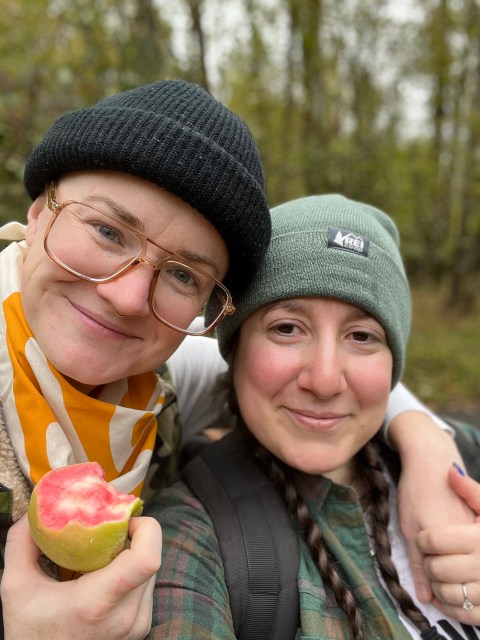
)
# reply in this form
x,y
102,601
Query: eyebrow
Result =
x,y
301,304
124,214
199,259
289,304
357,313
127,217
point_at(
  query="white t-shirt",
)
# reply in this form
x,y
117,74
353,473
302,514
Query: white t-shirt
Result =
x,y
447,627
196,367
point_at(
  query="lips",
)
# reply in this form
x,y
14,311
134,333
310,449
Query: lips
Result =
x,y
322,422
100,325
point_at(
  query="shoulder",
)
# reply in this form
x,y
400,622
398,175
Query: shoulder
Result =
x,y
177,498
192,570
183,517
191,598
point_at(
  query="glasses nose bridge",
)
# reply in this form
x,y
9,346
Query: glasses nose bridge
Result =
x,y
155,264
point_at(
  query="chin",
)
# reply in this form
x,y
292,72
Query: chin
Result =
x,y
322,463
82,376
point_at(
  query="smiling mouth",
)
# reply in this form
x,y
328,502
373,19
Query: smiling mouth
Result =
x,y
320,422
100,325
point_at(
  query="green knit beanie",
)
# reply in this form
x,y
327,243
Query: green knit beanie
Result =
x,y
332,247
174,134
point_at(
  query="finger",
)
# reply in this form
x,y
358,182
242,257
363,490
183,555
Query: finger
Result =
x,y
451,569
21,552
459,613
135,566
465,487
146,539
420,579
451,600
453,539
452,594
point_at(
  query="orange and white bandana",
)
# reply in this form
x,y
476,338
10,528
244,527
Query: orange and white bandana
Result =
x,y
51,424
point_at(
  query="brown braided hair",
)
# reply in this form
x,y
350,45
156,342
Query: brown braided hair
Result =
x,y
370,459
378,497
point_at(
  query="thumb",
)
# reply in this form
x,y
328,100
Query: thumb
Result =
x,y
465,487
422,584
132,568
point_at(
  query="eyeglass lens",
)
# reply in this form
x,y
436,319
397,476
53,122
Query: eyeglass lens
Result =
x,y
95,246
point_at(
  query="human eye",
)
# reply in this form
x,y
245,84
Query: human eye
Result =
x,y
183,276
361,336
108,232
187,280
368,338
101,229
285,320
284,328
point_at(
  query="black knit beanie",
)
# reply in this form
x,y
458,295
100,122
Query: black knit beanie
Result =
x,y
175,134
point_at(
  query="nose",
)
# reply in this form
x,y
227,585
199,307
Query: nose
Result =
x,y
323,370
129,293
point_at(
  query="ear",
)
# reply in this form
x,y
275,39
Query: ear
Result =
x,y
33,219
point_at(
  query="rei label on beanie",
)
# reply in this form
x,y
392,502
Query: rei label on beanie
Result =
x,y
348,241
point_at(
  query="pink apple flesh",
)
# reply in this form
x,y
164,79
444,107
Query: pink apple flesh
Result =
x,y
79,520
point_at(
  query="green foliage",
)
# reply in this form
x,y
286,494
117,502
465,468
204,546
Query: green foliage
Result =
x,y
327,88
443,361
61,55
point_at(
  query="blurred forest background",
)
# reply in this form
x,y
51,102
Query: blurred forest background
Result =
x,y
375,99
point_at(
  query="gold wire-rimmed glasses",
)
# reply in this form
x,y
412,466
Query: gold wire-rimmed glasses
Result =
x,y
98,246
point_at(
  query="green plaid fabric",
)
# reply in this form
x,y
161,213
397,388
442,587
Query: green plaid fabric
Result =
x,y
191,597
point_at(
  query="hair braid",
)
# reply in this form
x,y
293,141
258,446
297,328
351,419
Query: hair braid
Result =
x,y
278,474
370,460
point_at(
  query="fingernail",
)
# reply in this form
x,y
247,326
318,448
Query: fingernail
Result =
x,y
423,593
459,469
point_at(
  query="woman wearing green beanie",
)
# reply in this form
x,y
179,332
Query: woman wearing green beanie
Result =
x,y
314,349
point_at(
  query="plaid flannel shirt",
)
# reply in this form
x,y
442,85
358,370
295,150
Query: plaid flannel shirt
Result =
x,y
191,597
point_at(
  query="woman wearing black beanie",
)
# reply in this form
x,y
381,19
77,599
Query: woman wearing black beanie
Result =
x,y
145,205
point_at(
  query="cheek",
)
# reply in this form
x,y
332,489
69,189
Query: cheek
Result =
x,y
160,342
32,286
37,219
372,382
261,372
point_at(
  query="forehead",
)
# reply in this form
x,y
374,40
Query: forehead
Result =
x,y
307,305
158,214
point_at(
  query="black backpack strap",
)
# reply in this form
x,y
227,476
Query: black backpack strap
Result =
x,y
258,542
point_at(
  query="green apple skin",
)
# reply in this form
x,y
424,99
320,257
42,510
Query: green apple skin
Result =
x,y
78,547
